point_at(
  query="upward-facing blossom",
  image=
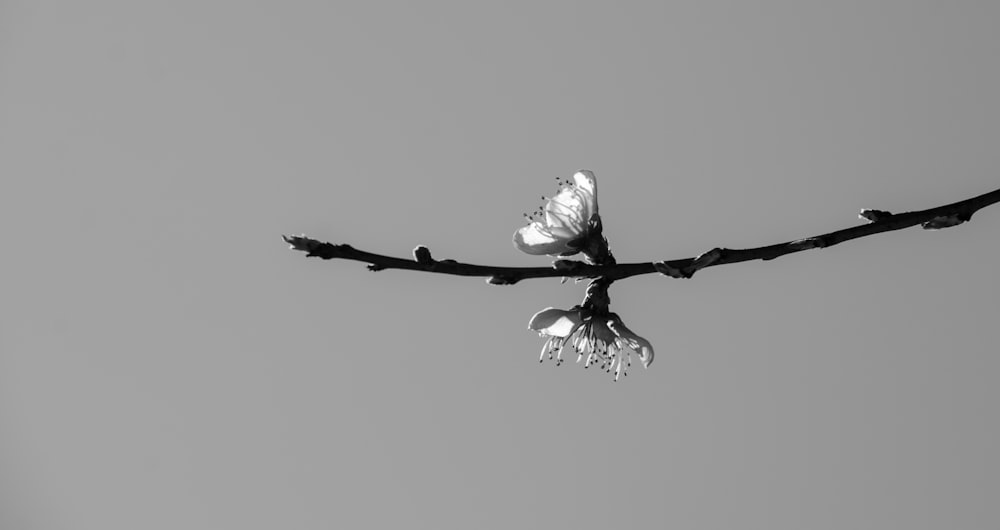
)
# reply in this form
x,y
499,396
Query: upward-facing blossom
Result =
x,y
595,337
562,226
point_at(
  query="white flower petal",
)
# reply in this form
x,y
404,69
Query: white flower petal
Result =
x,y
560,232
545,318
538,241
567,209
555,322
566,218
635,342
587,182
562,327
646,353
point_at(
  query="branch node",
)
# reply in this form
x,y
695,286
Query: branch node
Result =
x,y
946,221
503,279
704,260
874,215
667,269
567,265
422,255
807,243
443,265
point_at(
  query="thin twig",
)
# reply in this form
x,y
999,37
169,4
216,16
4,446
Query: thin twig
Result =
x,y
881,221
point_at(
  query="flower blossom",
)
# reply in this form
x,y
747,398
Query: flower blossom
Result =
x,y
564,224
595,337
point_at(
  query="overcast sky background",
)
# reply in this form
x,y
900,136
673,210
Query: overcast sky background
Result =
x,y
166,362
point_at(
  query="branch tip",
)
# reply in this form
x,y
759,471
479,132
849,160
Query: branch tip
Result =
x,y
302,243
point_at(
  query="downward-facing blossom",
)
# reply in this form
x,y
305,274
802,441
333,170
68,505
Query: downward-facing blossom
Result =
x,y
562,226
598,338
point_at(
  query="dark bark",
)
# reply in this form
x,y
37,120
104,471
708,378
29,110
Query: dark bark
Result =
x,y
879,221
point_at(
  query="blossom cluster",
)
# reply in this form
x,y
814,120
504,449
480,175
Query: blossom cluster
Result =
x,y
569,223
599,338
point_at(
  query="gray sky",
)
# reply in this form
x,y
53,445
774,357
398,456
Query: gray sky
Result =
x,y
166,362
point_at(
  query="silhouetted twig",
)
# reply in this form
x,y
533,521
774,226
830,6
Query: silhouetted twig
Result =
x,y
879,221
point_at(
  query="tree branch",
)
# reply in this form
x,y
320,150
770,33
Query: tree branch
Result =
x,y
879,221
